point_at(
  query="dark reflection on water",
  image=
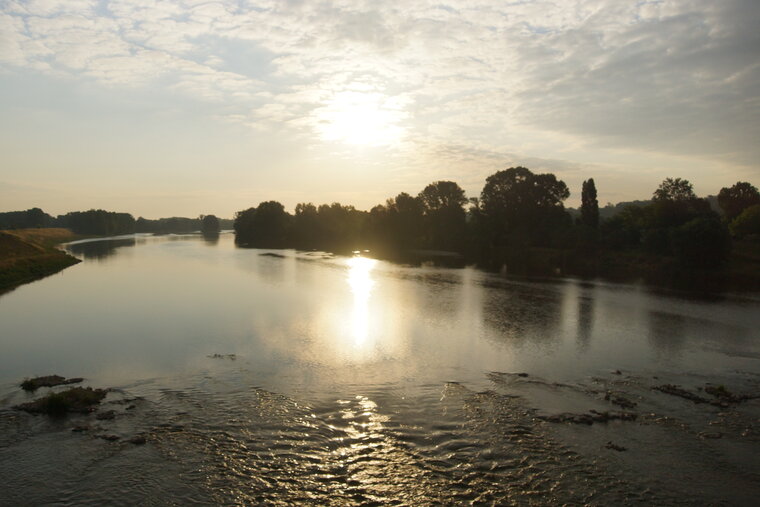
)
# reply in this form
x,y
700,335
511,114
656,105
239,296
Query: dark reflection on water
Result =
x,y
99,249
287,377
210,238
585,320
524,313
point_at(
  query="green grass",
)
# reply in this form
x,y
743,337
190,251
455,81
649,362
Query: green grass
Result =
x,y
30,254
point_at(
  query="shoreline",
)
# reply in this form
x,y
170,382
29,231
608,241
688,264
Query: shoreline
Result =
x,y
27,255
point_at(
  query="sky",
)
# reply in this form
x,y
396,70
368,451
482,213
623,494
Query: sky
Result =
x,y
181,108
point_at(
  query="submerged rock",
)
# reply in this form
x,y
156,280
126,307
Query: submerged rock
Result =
x,y
107,415
591,417
675,390
619,400
77,399
32,384
231,357
615,447
137,440
725,396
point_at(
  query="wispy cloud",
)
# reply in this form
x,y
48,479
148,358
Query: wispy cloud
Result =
x,y
535,79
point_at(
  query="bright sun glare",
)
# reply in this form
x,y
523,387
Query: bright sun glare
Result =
x,y
361,118
361,283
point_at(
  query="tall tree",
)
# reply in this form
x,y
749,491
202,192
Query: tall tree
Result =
x,y
589,204
442,194
522,205
736,199
443,207
674,190
209,224
265,226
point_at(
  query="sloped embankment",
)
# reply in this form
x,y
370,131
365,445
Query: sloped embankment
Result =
x,y
30,254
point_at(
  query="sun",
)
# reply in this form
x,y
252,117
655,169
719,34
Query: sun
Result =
x,y
361,118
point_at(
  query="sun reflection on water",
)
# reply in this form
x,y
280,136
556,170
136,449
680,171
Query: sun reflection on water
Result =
x,y
361,284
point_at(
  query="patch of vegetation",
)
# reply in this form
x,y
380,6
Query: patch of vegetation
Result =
x,y
77,400
28,255
32,384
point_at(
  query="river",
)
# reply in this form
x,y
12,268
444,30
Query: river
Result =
x,y
282,377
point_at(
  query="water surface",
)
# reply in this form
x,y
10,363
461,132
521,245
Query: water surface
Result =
x,y
281,376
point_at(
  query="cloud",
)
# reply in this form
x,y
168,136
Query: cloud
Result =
x,y
678,78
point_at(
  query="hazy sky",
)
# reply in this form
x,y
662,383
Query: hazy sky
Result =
x,y
164,108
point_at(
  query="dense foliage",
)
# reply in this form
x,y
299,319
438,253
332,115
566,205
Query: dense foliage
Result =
x,y
738,198
108,223
518,223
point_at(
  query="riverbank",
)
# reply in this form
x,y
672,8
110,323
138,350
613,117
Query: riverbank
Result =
x,y
30,254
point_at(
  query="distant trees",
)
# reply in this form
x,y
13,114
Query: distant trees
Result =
x,y
589,204
442,204
97,222
170,225
29,219
397,226
736,199
674,190
209,224
677,224
265,226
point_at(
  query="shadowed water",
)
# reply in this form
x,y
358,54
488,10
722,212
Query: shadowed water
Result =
x,y
290,377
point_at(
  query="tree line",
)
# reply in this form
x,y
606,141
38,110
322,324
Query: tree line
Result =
x,y
98,222
518,223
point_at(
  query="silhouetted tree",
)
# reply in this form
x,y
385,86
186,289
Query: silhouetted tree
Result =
x,y
521,207
673,204
97,222
209,224
674,190
701,243
31,218
444,215
405,219
589,204
736,199
169,225
341,227
265,226
306,227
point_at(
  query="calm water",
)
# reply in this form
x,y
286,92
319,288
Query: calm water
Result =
x,y
287,377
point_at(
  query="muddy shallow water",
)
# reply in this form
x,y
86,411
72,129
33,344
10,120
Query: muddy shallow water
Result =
x,y
286,377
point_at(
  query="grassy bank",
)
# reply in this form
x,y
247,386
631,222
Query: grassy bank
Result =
x,y
30,254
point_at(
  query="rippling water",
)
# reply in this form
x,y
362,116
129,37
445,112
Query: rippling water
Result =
x,y
288,377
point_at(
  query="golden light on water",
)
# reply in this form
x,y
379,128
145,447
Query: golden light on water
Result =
x,y
361,118
361,284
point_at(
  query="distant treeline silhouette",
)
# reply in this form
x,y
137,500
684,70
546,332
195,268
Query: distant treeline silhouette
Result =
x,y
108,223
519,223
